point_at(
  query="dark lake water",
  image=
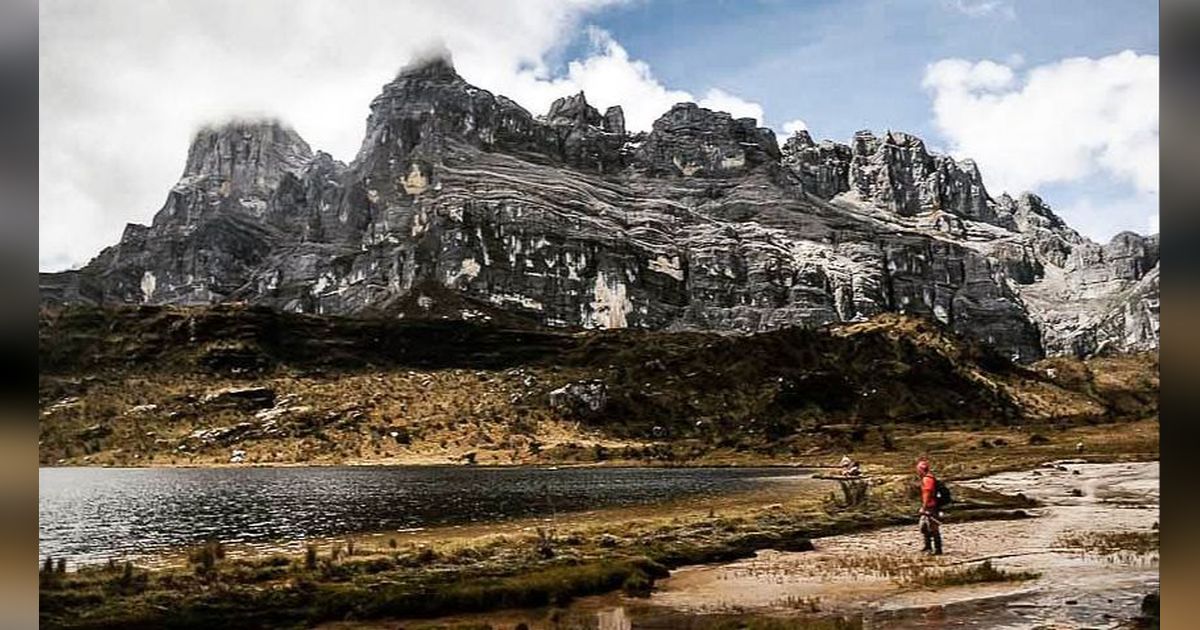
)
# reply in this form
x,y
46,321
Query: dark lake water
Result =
x,y
93,514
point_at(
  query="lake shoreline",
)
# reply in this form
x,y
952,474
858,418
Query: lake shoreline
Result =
x,y
429,574
541,568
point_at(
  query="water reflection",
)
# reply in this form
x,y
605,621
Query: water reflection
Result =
x,y
92,514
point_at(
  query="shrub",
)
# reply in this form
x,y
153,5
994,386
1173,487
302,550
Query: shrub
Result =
x,y
426,556
977,574
637,585
545,543
206,556
885,438
551,586
130,582
47,576
854,492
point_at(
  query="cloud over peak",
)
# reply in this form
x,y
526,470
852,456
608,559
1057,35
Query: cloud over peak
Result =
x,y
124,84
1059,122
609,76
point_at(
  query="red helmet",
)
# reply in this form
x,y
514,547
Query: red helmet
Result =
x,y
922,466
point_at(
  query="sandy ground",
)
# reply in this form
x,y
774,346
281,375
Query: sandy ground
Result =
x,y
857,572
864,575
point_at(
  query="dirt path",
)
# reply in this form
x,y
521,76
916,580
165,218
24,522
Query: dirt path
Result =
x,y
865,573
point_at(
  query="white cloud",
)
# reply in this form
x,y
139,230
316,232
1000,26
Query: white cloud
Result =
x,y
983,8
125,83
792,126
608,76
719,100
1103,216
1060,122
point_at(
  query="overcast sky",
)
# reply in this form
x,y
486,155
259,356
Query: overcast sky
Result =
x,y
1056,97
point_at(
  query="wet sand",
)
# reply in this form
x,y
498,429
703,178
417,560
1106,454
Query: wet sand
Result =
x,y
863,576
858,573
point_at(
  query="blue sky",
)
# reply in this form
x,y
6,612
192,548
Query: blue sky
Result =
x,y
1059,97
845,65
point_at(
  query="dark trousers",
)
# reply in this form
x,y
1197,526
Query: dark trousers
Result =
x,y
932,531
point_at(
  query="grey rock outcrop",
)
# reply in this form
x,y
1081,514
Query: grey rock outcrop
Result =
x,y
692,141
581,398
824,169
614,120
585,138
1098,298
569,220
896,171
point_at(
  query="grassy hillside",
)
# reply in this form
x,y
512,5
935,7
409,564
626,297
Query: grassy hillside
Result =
x,y
162,385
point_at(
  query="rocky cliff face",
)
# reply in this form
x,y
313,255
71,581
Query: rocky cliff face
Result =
x,y
462,204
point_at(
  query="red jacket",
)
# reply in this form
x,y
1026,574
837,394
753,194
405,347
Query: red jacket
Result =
x,y
929,493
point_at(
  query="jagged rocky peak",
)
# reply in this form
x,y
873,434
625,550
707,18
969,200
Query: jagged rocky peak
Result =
x,y
583,138
436,63
823,169
895,172
573,110
1133,253
690,140
1045,234
247,154
1029,212
568,220
235,167
1125,257
614,120
898,173
428,104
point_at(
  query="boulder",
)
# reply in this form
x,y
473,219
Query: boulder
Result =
x,y
243,398
581,398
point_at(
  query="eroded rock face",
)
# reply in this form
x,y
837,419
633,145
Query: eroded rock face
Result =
x,y
568,220
692,141
824,169
897,172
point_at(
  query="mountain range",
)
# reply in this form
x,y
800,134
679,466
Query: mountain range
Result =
x,y
461,204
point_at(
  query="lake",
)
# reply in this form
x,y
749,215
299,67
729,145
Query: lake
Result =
x,y
90,515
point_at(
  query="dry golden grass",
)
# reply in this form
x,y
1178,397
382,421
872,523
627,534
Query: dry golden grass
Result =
x,y
125,387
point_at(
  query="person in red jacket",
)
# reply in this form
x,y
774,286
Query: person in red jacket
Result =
x,y
930,514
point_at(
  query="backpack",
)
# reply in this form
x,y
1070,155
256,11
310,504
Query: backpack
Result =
x,y
941,494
